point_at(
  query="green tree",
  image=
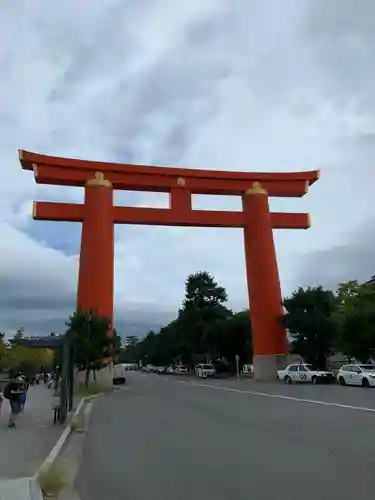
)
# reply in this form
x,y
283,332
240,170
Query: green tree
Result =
x,y
203,292
116,346
310,321
20,333
356,319
27,360
203,305
203,330
230,337
129,352
89,334
146,347
131,341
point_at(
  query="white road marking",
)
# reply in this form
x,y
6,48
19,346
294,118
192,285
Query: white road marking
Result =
x,y
276,396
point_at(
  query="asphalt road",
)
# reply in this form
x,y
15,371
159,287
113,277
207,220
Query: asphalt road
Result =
x,y
174,439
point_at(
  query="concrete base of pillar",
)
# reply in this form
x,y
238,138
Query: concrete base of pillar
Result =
x,y
266,366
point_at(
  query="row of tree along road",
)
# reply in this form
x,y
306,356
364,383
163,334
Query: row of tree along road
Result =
x,y
319,322
16,358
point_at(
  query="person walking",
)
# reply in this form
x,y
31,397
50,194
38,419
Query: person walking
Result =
x,y
13,392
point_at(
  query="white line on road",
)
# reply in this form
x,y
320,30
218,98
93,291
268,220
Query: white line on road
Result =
x,y
276,396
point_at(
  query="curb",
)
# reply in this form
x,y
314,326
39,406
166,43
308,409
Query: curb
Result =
x,y
49,461
35,491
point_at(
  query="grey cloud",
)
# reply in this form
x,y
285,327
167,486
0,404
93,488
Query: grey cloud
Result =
x,y
18,301
352,259
340,18
42,310
215,84
340,37
37,324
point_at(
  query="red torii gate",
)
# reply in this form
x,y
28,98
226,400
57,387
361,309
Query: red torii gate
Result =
x,y
98,216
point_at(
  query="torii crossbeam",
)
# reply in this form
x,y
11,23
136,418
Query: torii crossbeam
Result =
x,y
98,216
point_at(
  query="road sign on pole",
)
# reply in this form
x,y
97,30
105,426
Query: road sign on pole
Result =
x,y
238,366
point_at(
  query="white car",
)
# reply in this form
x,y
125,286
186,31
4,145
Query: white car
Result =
x,y
205,370
303,372
363,375
119,375
181,370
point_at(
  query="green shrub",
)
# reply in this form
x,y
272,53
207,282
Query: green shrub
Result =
x,y
51,481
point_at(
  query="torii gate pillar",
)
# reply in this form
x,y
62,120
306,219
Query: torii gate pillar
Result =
x,y
96,265
269,339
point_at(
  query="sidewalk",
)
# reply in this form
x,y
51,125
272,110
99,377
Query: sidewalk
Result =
x,y
23,450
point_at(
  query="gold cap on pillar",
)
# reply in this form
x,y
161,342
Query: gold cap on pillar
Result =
x,y
99,180
256,189
308,220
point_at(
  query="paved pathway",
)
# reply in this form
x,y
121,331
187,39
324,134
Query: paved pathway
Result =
x,y
20,489
23,450
172,439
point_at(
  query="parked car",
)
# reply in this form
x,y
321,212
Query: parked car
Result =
x,y
181,370
303,372
118,375
205,370
363,375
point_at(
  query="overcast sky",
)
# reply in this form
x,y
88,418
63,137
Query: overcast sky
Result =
x,y
246,85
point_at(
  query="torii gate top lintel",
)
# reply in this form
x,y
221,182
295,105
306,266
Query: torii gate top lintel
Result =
x,y
74,172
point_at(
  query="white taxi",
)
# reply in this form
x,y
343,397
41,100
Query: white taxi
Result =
x,y
363,375
304,372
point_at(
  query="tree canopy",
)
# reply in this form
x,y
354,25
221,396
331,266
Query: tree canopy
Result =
x,y
310,323
204,330
89,333
16,358
321,322
356,319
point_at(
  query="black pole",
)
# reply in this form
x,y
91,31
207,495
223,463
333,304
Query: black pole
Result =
x,y
71,378
64,388
57,377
